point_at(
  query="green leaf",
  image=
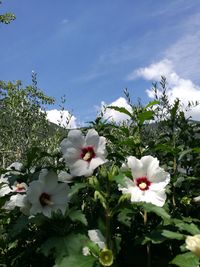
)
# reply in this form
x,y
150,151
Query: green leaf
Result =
x,y
145,115
62,246
77,215
173,235
157,210
20,224
75,188
186,260
125,216
190,228
152,103
121,110
183,153
155,237
76,261
119,179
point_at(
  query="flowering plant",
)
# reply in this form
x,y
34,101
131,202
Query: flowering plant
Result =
x,y
110,195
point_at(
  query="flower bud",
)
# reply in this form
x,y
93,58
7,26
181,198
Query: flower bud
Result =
x,y
106,257
193,244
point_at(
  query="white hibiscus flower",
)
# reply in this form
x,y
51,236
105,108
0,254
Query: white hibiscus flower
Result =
x,y
193,244
83,154
149,180
17,200
46,194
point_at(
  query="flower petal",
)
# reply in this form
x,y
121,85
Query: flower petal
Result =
x,y
136,167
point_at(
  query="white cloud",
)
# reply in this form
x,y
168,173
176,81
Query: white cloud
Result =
x,y
62,118
113,115
185,55
184,89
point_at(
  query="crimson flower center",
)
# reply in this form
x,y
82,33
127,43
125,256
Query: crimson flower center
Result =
x,y
45,199
143,183
87,153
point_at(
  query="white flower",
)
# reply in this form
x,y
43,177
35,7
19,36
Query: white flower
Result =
x,y
97,237
83,154
193,244
149,180
17,200
86,251
4,189
65,177
46,194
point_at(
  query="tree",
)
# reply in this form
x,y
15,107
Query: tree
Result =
x,y
7,17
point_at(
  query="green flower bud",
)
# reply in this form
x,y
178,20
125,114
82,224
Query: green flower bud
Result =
x,y
106,257
186,201
93,181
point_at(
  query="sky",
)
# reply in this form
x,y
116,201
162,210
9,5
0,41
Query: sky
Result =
x,y
91,50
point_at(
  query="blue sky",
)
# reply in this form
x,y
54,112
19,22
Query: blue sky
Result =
x,y
91,50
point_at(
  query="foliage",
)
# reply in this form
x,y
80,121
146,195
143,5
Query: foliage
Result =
x,y
24,128
132,233
7,17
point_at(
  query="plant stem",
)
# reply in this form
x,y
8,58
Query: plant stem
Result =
x,y
148,244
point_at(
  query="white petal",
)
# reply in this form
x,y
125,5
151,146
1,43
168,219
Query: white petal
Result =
x,y
50,179
136,167
74,139
47,211
95,162
34,191
72,154
36,208
15,201
92,138
80,167
157,198
65,177
101,149
137,195
149,163
159,175
4,190
97,237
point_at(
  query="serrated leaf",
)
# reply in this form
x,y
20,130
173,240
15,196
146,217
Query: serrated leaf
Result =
x,y
77,215
186,260
125,217
173,235
62,246
76,261
75,188
155,237
190,228
119,179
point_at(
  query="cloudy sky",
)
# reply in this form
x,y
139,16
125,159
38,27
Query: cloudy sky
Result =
x,y
91,50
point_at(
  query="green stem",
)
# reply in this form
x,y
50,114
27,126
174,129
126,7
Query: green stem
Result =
x,y
148,248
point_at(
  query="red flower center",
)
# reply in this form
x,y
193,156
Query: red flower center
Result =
x,y
20,187
45,199
88,153
143,183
